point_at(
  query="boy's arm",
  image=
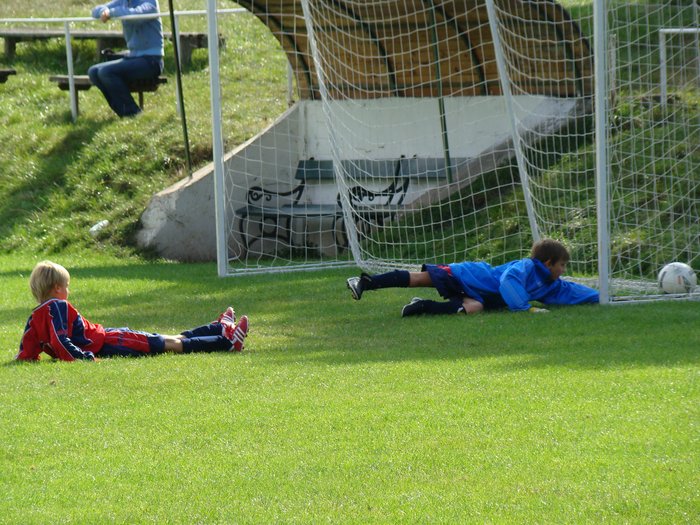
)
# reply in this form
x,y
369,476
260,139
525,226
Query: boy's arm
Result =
x,y
29,347
64,349
512,287
60,342
120,8
572,293
49,321
97,10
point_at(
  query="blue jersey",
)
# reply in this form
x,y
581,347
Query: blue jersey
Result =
x,y
144,37
516,283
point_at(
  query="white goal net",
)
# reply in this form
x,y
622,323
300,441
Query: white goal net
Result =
x,y
440,131
626,196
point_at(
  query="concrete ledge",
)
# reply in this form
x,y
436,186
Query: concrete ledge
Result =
x,y
178,223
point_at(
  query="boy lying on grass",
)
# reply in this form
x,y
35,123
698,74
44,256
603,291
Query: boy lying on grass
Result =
x,y
57,328
471,287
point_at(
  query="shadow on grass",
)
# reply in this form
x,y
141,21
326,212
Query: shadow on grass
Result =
x,y
586,337
310,318
32,194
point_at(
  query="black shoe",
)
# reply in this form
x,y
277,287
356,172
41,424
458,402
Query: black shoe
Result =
x,y
415,307
357,285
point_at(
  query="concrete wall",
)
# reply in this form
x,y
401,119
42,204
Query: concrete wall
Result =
x,y
179,221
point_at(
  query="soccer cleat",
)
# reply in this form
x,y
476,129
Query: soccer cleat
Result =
x,y
353,286
229,316
415,307
238,334
357,285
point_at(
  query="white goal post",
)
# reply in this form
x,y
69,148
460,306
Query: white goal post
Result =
x,y
447,130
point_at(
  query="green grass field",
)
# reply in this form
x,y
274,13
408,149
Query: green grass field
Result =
x,y
341,411
338,411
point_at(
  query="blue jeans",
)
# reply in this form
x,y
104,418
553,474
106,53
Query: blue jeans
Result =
x,y
111,78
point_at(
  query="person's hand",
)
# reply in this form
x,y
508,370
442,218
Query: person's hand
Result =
x,y
535,310
104,16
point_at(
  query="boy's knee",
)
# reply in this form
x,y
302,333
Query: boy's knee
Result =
x,y
471,306
420,279
93,74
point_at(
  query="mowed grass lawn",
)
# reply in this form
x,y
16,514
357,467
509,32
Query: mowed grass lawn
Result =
x,y
343,412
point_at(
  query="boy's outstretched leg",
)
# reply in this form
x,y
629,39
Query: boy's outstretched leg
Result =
x,y
236,334
393,279
221,335
229,315
357,285
205,343
419,306
213,328
230,339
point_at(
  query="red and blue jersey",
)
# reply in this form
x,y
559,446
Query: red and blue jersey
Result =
x,y
57,328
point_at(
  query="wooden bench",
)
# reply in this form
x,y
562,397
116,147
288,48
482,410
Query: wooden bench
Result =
x,y
82,83
105,39
4,73
278,223
372,208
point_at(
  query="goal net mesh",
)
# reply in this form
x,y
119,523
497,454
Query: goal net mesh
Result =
x,y
441,131
651,148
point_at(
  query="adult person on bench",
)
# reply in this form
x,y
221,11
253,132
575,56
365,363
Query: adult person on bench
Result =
x,y
144,38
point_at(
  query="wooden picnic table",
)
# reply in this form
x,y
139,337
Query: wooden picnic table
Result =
x,y
188,41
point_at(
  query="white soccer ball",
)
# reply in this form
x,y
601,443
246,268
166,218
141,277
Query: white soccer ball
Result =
x,y
677,277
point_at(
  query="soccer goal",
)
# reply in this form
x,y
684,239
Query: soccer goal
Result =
x,y
626,197
440,131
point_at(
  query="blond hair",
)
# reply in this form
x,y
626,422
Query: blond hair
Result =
x,y
45,276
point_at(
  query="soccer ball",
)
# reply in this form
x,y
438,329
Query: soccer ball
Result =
x,y
677,277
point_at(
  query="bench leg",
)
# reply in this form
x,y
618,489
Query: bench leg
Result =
x,y
77,108
141,100
102,44
10,48
186,49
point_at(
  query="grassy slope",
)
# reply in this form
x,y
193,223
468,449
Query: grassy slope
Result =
x,y
344,412
59,178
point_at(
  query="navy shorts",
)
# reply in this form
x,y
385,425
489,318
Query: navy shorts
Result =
x,y
449,287
444,282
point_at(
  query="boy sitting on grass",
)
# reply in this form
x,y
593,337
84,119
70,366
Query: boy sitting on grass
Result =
x,y
56,327
471,287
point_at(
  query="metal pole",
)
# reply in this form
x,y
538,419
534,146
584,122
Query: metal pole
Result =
x,y
601,111
180,100
217,141
696,22
662,67
441,99
71,79
507,95
178,94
